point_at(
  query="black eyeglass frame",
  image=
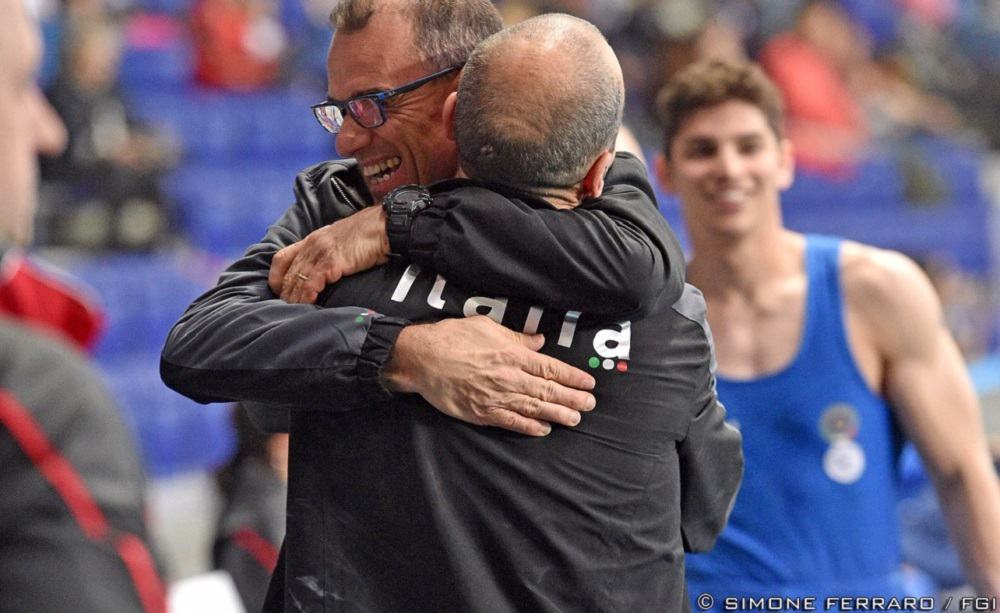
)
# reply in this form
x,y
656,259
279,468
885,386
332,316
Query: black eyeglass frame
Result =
x,y
378,98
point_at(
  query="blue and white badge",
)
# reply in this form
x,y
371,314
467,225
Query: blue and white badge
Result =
x,y
844,461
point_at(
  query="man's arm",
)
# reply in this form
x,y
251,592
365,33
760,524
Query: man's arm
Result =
x,y
929,389
482,388
711,454
613,255
711,458
239,342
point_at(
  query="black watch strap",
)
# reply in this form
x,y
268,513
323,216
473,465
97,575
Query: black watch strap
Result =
x,y
401,206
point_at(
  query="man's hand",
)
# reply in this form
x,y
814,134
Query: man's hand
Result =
x,y
477,371
300,271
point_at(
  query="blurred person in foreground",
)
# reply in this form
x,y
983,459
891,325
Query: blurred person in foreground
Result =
x,y
826,348
593,517
71,524
30,291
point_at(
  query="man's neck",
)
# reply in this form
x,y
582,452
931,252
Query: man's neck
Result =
x,y
558,197
723,264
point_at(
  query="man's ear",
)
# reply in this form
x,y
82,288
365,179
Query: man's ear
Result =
x,y
592,185
662,169
448,115
787,152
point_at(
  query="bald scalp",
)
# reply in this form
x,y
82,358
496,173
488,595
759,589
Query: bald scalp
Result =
x,y
538,103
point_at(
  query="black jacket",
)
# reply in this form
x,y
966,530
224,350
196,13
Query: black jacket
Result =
x,y
239,342
397,507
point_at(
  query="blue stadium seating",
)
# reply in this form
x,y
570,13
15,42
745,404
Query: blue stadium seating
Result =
x,y
166,66
143,296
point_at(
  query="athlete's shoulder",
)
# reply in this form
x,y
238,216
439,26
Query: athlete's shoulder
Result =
x,y
889,292
873,274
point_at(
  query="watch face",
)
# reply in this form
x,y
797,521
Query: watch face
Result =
x,y
408,194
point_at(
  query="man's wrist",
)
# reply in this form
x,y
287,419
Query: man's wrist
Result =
x,y
376,352
398,373
375,227
400,207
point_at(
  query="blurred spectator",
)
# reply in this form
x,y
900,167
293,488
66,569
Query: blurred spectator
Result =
x,y
959,60
843,102
811,65
108,178
71,517
239,44
656,40
252,524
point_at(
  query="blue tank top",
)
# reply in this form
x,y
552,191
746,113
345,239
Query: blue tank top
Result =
x,y
815,515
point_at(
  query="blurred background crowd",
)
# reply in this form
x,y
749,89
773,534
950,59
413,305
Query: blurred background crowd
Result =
x,y
188,120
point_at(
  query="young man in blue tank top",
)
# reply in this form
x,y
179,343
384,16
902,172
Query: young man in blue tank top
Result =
x,y
826,350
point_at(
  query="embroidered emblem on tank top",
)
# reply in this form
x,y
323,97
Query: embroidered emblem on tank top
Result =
x,y
844,460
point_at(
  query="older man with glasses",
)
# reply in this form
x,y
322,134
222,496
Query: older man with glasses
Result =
x,y
367,109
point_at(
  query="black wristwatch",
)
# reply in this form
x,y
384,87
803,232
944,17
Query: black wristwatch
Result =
x,y
401,205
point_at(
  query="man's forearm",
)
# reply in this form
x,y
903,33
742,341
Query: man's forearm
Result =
x,y
711,460
478,371
269,352
970,500
611,256
239,342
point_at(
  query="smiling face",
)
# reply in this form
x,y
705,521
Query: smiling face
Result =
x,y
412,145
728,168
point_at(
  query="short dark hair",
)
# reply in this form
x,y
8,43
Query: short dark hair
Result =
x,y
444,31
547,134
710,83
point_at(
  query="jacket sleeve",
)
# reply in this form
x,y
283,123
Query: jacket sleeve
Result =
x,y
238,341
613,255
711,454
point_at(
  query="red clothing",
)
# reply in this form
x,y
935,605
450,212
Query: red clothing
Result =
x,y
825,123
43,298
223,57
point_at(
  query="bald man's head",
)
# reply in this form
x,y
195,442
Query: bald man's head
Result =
x,y
28,125
538,103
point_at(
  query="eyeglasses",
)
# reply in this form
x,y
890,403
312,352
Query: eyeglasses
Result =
x,y
368,109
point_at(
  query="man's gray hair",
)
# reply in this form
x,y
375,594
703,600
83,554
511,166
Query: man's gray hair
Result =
x,y
537,103
444,31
